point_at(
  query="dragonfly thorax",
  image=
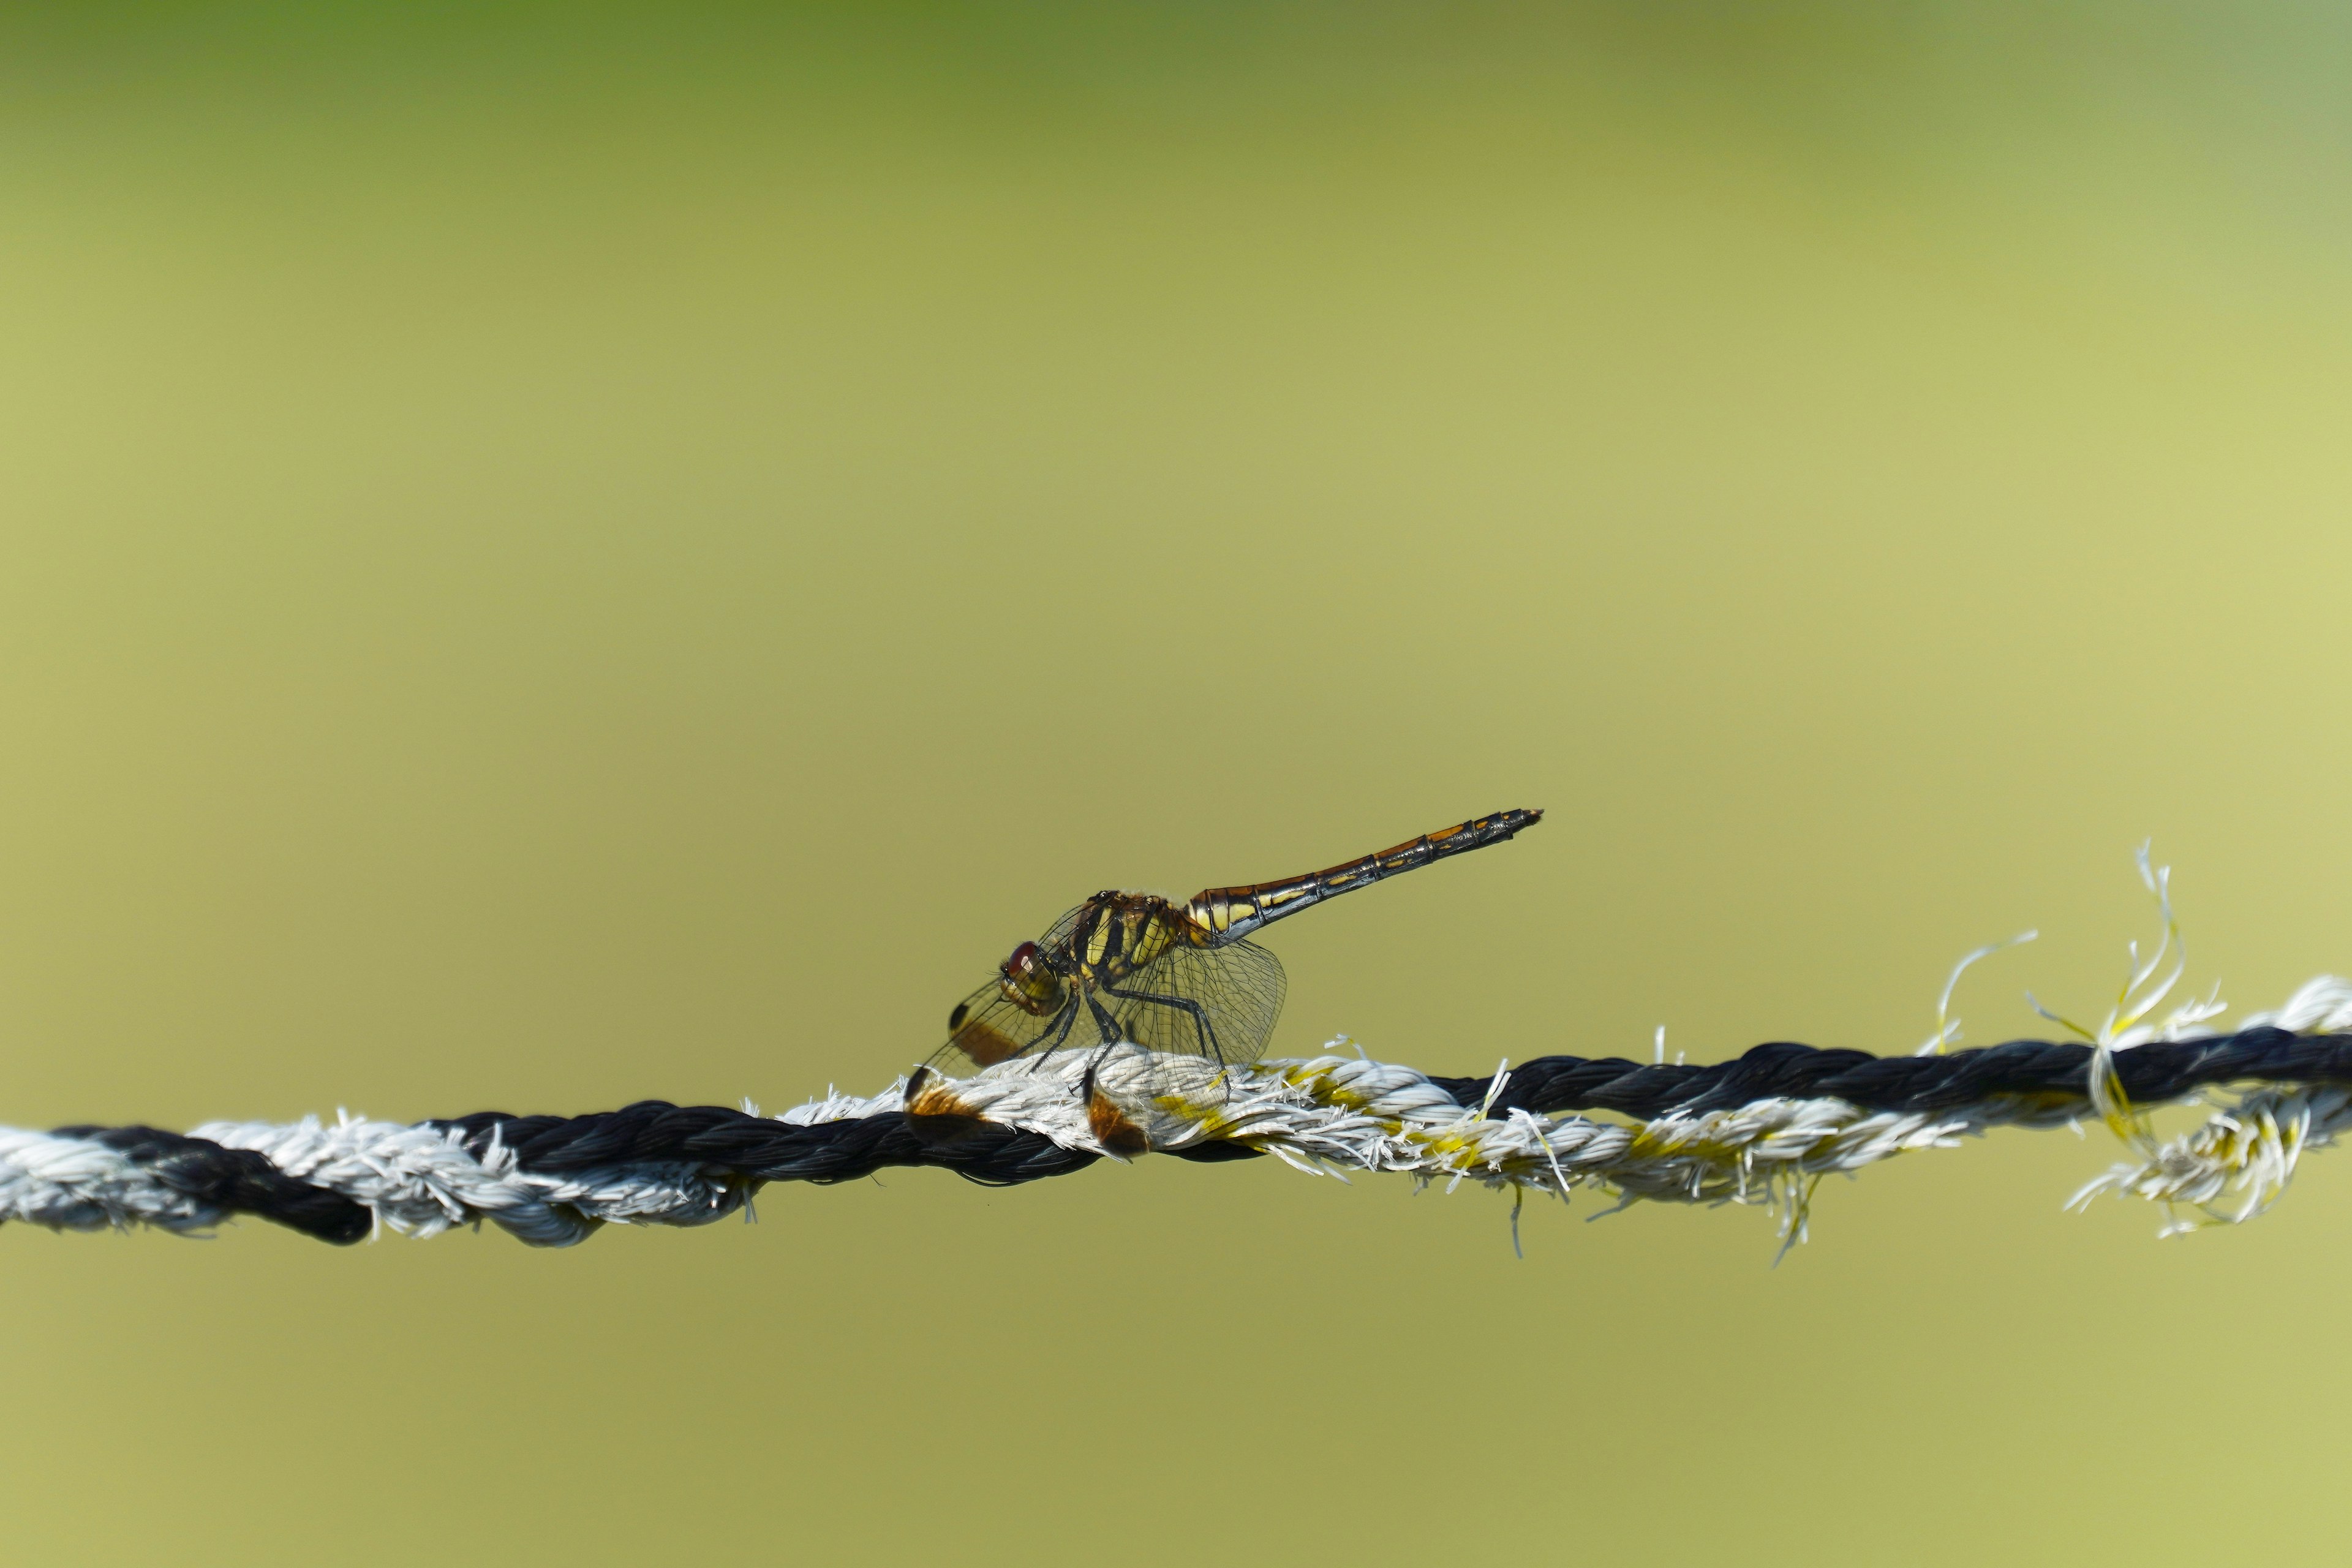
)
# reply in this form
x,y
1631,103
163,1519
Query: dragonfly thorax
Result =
x,y
1104,941
1115,935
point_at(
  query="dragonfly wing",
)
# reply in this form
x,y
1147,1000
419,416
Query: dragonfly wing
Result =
x,y
1219,1001
988,1029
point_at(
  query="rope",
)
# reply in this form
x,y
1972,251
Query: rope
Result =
x,y
1760,1128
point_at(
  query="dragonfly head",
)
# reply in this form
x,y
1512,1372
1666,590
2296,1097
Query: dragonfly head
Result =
x,y
1030,984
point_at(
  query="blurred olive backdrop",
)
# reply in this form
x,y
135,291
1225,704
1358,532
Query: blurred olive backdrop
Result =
x,y
551,556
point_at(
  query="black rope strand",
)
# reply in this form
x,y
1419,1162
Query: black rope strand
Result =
x,y
2157,1071
728,1144
235,1181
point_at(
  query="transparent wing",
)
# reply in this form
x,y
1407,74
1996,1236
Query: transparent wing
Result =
x,y
1217,1001
987,1029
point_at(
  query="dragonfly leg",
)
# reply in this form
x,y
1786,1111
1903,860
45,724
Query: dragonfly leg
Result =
x,y
1205,1032
1110,1030
1104,1022
1054,1040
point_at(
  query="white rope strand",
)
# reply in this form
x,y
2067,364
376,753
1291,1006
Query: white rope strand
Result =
x,y
74,1183
1333,1114
1329,1115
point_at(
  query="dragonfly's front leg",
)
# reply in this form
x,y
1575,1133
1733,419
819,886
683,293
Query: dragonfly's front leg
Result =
x,y
1054,1041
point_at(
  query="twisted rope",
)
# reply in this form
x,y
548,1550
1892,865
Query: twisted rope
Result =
x,y
1758,1128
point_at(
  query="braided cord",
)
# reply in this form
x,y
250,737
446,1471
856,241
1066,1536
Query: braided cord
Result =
x,y
2156,1072
1756,1128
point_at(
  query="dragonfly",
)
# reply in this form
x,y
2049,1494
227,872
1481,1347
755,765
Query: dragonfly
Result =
x,y
1182,979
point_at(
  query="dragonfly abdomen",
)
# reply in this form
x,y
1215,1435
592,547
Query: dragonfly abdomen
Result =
x,y
1226,914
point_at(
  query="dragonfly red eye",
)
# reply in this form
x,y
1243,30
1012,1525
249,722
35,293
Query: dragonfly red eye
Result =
x,y
1028,980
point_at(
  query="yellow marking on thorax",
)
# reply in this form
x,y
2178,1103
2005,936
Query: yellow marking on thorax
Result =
x,y
1152,934
1146,930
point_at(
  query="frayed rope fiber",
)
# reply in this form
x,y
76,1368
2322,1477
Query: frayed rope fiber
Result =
x,y
1762,1128
1758,1128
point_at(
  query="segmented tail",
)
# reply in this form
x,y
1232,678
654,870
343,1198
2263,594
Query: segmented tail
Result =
x,y
1227,914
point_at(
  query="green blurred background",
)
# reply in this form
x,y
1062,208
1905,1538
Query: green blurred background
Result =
x,y
549,556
